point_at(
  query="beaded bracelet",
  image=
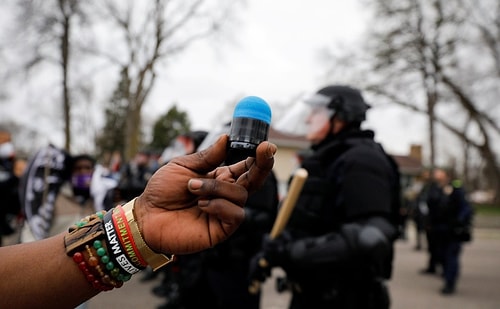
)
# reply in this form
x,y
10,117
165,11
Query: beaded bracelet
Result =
x,y
108,263
108,247
85,239
96,216
94,270
79,259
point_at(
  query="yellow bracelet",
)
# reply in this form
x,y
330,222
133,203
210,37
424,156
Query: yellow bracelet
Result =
x,y
155,260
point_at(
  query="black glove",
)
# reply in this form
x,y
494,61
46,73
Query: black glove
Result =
x,y
259,269
277,251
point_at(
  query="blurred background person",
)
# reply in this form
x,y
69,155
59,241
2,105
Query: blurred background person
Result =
x,y
134,176
10,205
416,198
59,189
450,224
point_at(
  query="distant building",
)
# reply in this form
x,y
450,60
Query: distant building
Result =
x,y
410,166
287,157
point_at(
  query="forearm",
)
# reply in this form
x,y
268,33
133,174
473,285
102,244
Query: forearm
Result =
x,y
371,241
328,249
65,270
40,274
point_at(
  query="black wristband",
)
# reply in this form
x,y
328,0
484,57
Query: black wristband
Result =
x,y
115,250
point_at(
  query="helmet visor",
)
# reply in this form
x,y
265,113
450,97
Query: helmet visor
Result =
x,y
306,116
318,100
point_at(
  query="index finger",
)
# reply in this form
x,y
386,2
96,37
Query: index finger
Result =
x,y
255,170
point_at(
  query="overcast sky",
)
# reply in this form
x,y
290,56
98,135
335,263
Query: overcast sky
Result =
x,y
274,55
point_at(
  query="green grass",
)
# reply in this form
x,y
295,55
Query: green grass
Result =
x,y
487,210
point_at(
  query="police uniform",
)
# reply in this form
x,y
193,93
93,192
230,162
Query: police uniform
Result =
x,y
450,223
337,249
349,192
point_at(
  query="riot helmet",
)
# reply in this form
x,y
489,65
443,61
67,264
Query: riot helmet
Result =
x,y
314,111
347,103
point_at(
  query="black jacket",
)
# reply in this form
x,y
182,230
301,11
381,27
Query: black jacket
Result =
x,y
353,184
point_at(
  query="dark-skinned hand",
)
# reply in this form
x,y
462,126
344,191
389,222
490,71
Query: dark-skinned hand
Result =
x,y
192,203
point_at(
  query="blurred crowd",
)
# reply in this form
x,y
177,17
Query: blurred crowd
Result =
x,y
337,250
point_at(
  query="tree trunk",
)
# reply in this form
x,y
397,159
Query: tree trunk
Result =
x,y
431,103
132,139
65,82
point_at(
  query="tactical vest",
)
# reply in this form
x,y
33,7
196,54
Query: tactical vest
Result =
x,y
349,179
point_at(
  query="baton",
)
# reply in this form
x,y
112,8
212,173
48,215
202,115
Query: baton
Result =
x,y
283,216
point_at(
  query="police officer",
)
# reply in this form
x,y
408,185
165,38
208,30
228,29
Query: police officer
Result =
x,y
337,248
450,216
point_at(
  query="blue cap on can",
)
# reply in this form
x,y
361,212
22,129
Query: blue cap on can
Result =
x,y
253,107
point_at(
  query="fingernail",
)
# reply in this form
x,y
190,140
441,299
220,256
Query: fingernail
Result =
x,y
195,184
271,150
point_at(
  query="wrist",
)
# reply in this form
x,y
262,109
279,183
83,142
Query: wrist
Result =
x,y
139,212
154,259
120,241
108,247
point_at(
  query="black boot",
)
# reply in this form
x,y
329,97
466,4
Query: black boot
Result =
x,y
428,271
448,289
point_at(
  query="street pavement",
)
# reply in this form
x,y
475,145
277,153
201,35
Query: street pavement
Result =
x,y
478,286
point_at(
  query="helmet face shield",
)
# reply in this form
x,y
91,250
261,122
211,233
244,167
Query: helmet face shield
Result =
x,y
306,116
319,116
318,100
